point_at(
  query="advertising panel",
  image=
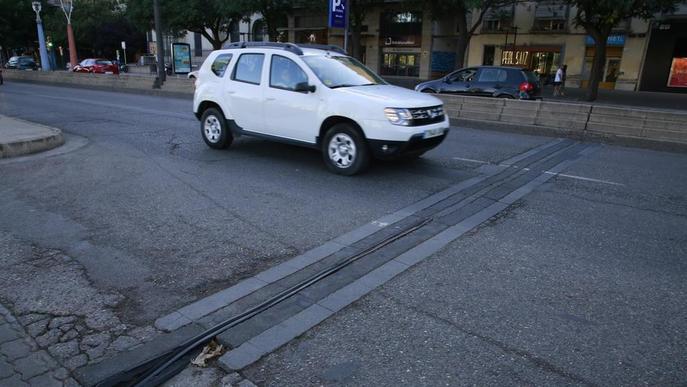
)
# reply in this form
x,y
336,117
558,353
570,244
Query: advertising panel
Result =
x,y
678,73
181,58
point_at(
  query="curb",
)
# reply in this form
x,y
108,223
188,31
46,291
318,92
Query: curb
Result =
x,y
32,145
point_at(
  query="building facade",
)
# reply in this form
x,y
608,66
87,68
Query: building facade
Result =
x,y
408,45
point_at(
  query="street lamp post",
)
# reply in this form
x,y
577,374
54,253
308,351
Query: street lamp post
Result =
x,y
45,62
68,7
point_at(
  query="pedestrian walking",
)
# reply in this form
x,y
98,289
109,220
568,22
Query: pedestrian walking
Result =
x,y
557,81
565,74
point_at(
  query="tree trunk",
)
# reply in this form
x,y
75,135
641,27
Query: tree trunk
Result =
x,y
463,38
598,65
73,57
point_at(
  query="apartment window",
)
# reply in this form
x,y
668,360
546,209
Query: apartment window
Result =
x,y
549,25
498,19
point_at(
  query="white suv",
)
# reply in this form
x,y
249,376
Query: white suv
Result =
x,y
315,96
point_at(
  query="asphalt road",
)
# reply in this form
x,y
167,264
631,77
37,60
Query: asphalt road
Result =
x,y
583,282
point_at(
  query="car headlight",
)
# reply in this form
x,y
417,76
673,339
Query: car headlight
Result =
x,y
398,116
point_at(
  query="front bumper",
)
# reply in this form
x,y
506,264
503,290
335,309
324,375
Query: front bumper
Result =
x,y
389,150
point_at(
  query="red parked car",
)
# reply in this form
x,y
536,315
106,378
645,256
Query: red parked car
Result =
x,y
96,66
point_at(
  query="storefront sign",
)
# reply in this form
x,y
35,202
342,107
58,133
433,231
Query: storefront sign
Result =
x,y
517,58
615,40
402,41
181,58
678,73
337,13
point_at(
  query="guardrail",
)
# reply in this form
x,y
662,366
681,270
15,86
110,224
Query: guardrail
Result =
x,y
571,119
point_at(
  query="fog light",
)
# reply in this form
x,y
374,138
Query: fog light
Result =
x,y
385,148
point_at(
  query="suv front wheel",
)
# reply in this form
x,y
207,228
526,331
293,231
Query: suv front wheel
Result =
x,y
345,150
214,129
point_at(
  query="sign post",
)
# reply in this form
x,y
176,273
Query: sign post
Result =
x,y
124,51
338,17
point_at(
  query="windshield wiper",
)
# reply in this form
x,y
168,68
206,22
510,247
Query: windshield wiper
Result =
x,y
349,85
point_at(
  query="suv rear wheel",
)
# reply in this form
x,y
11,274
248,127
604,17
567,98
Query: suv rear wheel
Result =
x,y
214,129
345,150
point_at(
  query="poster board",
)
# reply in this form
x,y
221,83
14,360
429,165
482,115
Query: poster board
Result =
x,y
678,73
181,58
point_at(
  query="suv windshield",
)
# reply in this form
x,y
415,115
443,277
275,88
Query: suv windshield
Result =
x,y
341,71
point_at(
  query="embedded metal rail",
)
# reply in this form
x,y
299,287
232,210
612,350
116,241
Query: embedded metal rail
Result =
x,y
167,365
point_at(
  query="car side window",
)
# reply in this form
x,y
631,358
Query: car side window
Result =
x,y
463,75
249,68
219,65
285,73
488,75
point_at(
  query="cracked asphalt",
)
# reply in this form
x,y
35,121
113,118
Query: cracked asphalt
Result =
x,y
580,283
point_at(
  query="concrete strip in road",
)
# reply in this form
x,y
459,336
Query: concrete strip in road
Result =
x,y
296,325
212,303
19,137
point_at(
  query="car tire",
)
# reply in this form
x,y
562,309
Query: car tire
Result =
x,y
214,129
345,150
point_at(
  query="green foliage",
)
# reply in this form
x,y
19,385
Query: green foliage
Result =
x,y
601,16
17,24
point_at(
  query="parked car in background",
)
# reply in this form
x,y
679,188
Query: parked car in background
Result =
x,y
96,66
21,63
487,81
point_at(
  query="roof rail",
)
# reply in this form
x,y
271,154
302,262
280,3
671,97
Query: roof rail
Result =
x,y
327,47
285,46
296,49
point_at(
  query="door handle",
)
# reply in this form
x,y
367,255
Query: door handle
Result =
x,y
231,92
270,99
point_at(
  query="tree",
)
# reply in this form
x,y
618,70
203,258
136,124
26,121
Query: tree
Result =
x,y
210,18
599,17
17,25
357,12
461,10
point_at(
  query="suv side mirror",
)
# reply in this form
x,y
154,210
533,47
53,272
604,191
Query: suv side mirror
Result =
x,y
304,87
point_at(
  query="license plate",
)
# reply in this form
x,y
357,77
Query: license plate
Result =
x,y
433,133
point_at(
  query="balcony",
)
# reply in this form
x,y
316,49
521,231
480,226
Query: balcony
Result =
x,y
496,26
549,26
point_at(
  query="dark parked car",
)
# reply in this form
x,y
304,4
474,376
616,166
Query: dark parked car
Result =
x,y
22,63
487,81
97,66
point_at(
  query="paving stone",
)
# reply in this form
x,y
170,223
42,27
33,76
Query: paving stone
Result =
x,y
6,369
61,373
37,328
59,321
45,380
246,383
49,338
95,340
14,381
31,318
7,333
71,383
76,362
143,333
35,364
231,379
15,349
69,335
66,327
64,350
123,343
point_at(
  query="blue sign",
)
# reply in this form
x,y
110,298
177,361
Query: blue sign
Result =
x,y
616,40
337,13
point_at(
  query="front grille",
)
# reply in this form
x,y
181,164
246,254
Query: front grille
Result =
x,y
427,115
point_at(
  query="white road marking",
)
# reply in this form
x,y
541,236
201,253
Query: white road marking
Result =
x,y
584,178
547,172
471,160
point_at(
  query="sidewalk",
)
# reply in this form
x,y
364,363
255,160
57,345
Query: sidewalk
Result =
x,y
21,361
644,99
18,137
